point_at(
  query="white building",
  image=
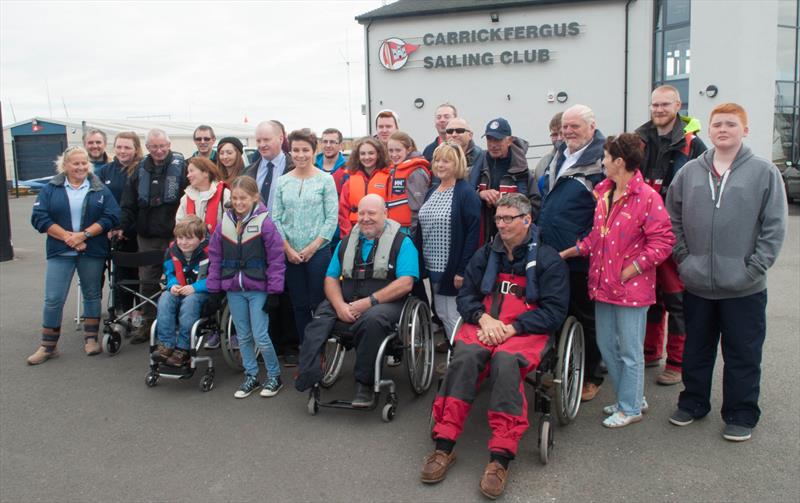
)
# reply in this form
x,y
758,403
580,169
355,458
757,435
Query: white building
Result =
x,y
527,60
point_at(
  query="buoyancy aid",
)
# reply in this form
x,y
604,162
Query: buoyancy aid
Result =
x,y
490,285
184,272
360,278
170,189
396,191
243,252
214,208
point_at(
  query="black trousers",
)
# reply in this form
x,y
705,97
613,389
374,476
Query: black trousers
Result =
x,y
282,329
582,308
368,333
740,324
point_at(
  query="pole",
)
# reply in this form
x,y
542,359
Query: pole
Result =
x,y
6,248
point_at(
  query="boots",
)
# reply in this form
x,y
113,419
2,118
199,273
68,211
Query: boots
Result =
x,y
48,348
91,327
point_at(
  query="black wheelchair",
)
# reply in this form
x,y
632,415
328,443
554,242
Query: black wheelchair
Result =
x,y
206,324
411,342
556,382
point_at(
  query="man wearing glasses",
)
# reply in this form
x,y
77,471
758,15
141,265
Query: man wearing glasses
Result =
x,y
670,141
331,159
515,294
503,170
459,131
204,139
149,204
444,114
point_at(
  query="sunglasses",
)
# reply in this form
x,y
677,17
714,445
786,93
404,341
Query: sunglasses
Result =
x,y
457,130
203,139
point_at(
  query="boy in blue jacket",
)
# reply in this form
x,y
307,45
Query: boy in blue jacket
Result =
x,y
185,267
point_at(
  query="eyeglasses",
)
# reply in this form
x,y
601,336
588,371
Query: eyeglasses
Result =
x,y
330,142
204,139
507,219
457,130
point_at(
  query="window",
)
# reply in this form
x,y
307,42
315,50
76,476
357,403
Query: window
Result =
x,y
786,144
672,52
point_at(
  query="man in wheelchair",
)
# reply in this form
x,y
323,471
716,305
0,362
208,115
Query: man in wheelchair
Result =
x,y
515,295
371,272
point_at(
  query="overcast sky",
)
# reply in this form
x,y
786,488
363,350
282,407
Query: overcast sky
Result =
x,y
188,60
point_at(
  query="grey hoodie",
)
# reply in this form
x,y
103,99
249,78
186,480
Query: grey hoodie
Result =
x,y
727,234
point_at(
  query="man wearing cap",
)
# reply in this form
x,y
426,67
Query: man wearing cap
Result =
x,y
385,125
444,113
503,170
567,216
204,139
459,131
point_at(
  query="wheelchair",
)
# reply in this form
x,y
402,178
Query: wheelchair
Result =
x,y
556,382
200,329
118,324
411,342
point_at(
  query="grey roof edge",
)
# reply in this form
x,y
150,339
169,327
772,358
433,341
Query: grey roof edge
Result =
x,y
401,8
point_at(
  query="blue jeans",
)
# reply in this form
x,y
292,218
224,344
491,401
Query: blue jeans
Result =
x,y
58,279
304,282
620,336
252,325
183,309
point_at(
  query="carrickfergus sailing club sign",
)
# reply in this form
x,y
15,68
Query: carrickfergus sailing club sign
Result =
x,y
394,52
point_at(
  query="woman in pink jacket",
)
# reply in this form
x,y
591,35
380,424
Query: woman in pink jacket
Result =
x,y
631,235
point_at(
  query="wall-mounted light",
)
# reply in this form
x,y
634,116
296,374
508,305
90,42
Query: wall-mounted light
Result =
x,y
711,91
419,103
495,17
561,97
508,97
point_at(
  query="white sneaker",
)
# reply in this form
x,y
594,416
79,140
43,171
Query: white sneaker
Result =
x,y
613,409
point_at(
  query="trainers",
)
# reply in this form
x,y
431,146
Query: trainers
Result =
x,y
435,466
619,419
91,347
213,341
669,377
736,433
613,409
493,482
681,418
589,391
249,385
179,358
161,354
271,386
41,355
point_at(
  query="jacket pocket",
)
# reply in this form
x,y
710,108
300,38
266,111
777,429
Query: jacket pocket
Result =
x,y
731,274
695,271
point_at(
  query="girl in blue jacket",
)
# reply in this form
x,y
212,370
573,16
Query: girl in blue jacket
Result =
x,y
76,210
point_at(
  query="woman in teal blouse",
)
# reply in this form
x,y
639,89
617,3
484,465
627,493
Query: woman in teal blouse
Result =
x,y
305,211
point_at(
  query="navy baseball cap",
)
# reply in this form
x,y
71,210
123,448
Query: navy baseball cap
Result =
x,y
498,128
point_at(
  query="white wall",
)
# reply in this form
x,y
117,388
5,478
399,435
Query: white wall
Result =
x,y
588,67
734,47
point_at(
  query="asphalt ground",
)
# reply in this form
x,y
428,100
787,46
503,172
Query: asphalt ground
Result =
x,y
82,429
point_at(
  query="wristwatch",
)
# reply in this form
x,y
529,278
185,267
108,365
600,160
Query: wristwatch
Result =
x,y
87,234
373,301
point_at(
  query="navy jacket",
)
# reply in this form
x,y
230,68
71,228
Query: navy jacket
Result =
x,y
52,207
553,283
465,220
568,202
114,175
428,152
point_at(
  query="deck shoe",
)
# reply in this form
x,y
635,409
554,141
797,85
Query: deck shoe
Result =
x,y
435,466
493,482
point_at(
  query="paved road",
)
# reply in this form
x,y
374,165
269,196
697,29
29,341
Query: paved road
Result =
x,y
87,429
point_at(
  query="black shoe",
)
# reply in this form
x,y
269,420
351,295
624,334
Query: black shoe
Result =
x,y
290,360
364,396
737,433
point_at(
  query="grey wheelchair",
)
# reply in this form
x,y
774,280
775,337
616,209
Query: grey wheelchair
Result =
x,y
556,382
411,342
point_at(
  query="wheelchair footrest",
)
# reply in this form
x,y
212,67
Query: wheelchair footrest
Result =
x,y
347,404
184,372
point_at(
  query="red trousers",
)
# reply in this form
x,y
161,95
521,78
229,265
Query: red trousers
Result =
x,y
669,292
506,366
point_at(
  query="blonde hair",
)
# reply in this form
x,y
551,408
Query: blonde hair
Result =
x,y
63,158
451,151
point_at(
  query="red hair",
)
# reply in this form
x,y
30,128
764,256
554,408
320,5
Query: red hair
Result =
x,y
730,108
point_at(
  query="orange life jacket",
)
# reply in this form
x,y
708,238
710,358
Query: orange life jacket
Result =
x,y
213,209
390,184
360,187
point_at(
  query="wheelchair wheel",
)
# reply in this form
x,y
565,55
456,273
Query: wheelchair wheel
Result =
x,y
569,370
545,438
332,360
207,382
230,350
151,379
416,334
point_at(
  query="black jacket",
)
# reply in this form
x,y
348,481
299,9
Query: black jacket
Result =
x,y
150,221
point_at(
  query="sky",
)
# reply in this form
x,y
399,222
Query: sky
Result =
x,y
197,61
